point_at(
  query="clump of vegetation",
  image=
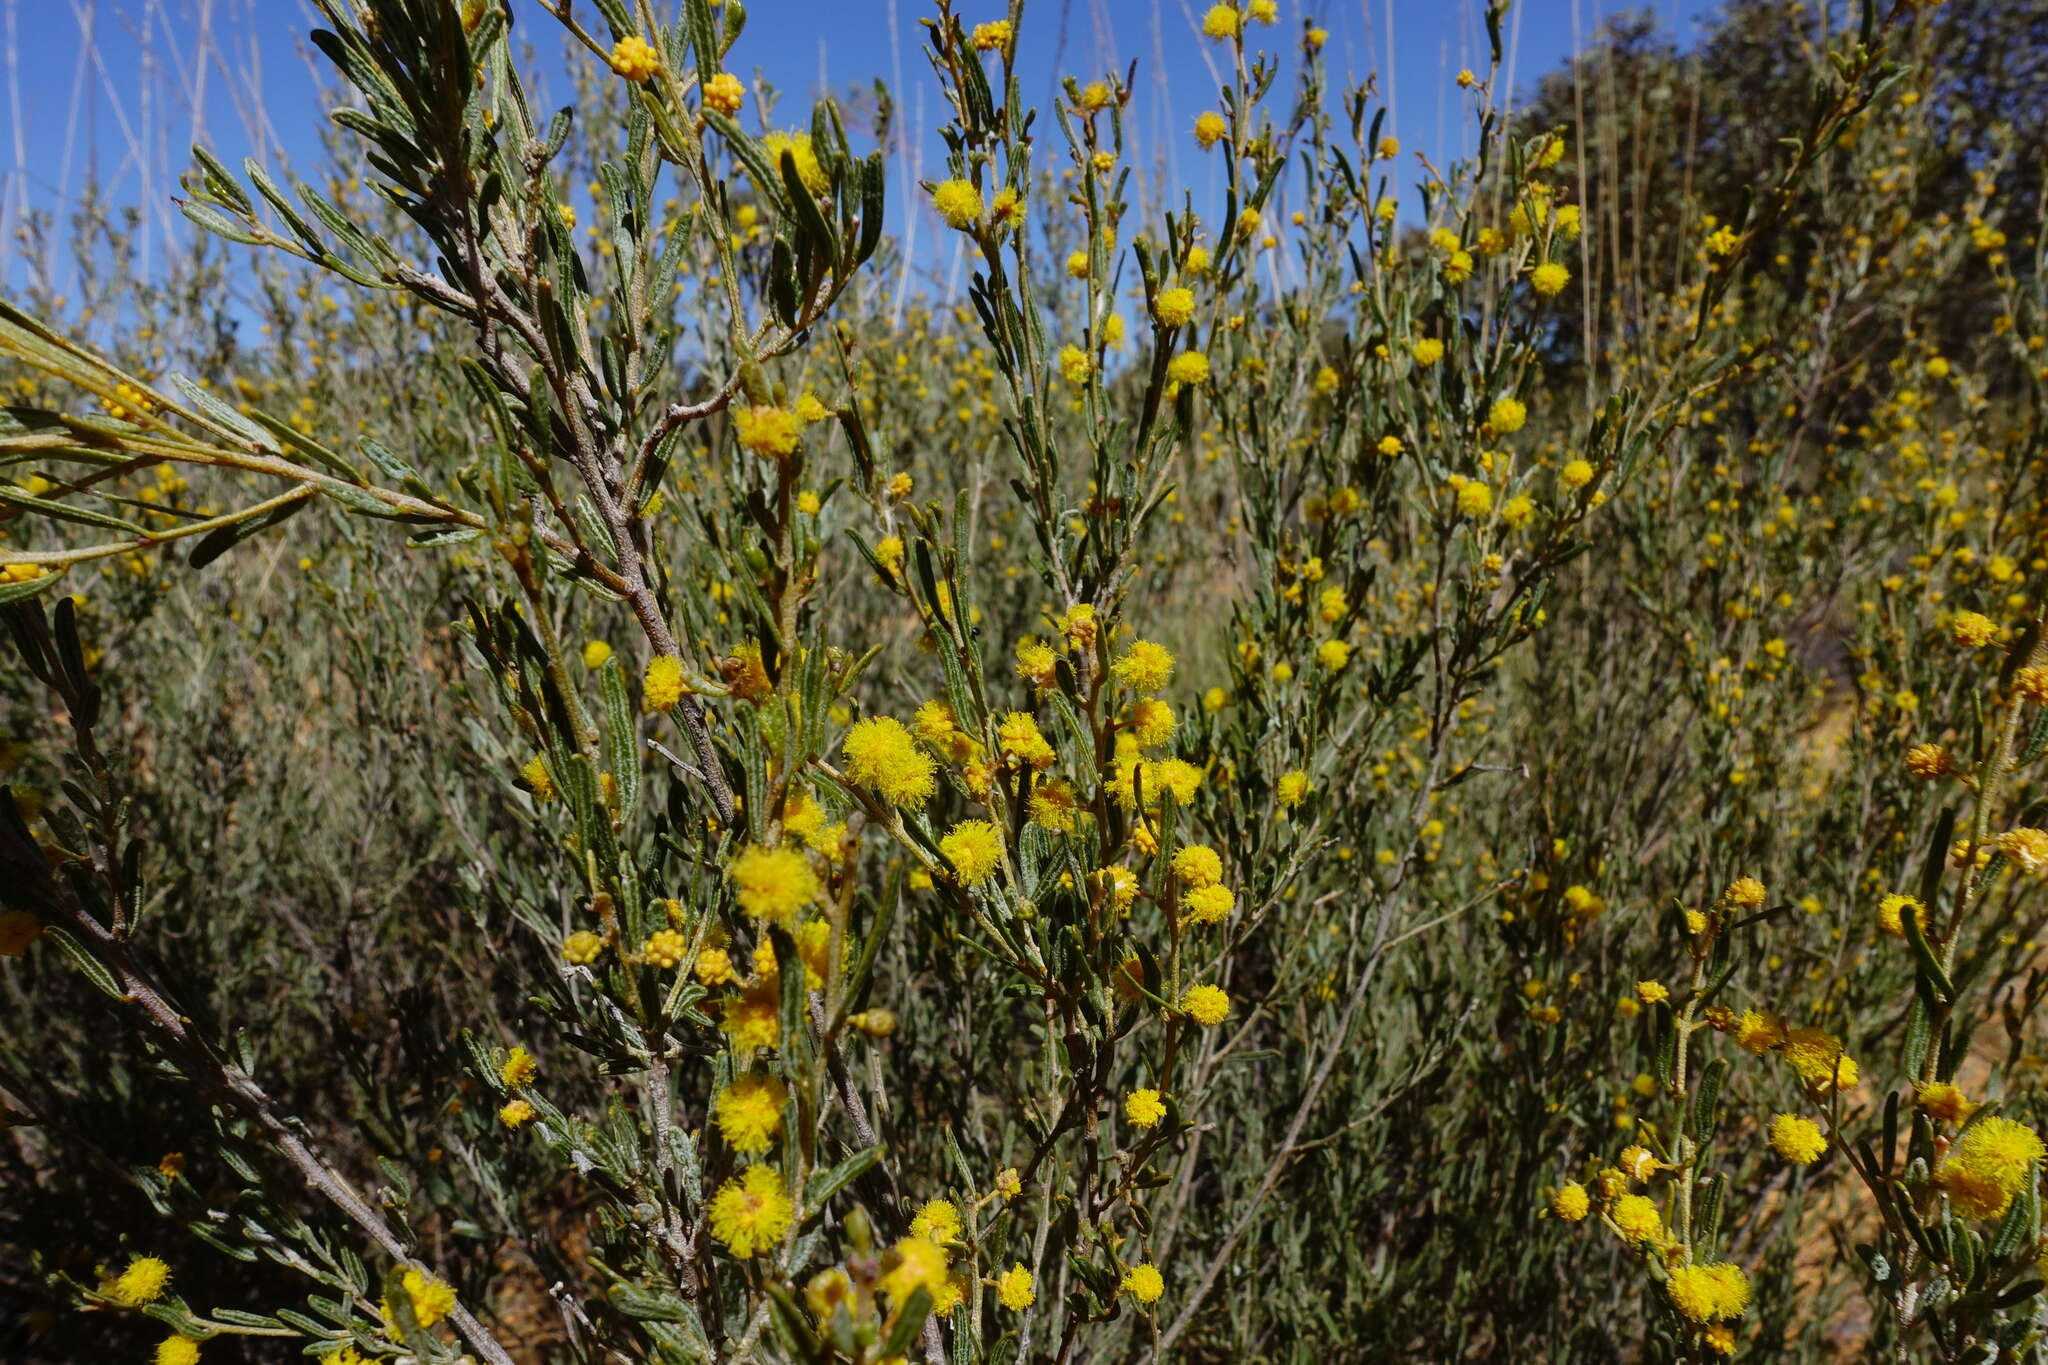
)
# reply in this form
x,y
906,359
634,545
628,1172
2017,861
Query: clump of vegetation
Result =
x,y
1290,777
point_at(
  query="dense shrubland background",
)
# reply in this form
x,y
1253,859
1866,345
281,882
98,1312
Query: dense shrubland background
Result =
x,y
1781,436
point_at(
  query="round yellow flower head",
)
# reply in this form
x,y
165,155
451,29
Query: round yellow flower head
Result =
x,y
1942,1102
582,948
768,431
518,1068
1989,1164
661,688
1210,128
1428,351
142,1282
1891,913
1816,1055
1971,629
177,1350
665,949
881,755
1144,667
1222,21
2026,848
772,883
1637,1219
1144,1283
958,202
725,93
1744,893
1799,1140
595,652
937,1221
516,1113
751,1211
1507,415
1188,368
1013,1288
1570,1202
1292,789
1549,279
534,773
635,59
975,849
749,1112
994,36
1198,865
1928,761
1208,904
1173,307
1205,1004
1144,1108
1709,1293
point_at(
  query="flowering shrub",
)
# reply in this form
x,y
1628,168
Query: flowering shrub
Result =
x,y
1274,779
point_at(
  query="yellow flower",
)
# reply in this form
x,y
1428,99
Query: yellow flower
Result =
x,y
749,1112
1022,740
517,1112
1570,1202
1817,1057
773,883
1205,1004
1972,629
1797,1139
1475,499
1292,789
1143,1282
582,948
661,688
881,755
1942,1101
974,848
665,949
1198,865
1650,992
1144,667
633,58
768,431
595,652
751,1211
519,1068
1173,307
1208,904
1210,128
994,36
1549,278
809,169
1222,21
937,1221
1507,415
1144,1108
431,1299
1013,1288
725,93
142,1282
1744,893
1891,914
1428,351
958,202
1189,368
1709,1293
1637,1219
177,1350
911,1263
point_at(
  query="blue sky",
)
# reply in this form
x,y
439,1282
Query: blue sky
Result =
x,y
116,89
